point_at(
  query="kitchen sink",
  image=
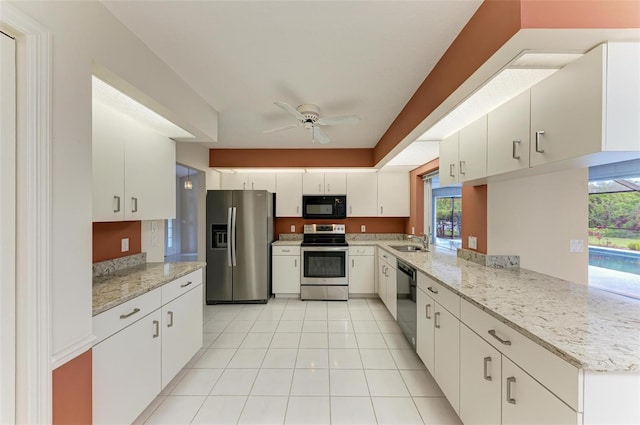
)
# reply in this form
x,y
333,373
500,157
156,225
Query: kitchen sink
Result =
x,y
408,248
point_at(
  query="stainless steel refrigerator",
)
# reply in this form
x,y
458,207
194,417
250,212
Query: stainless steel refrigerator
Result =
x,y
239,237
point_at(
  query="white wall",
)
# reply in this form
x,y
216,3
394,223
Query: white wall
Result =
x,y
85,35
536,217
153,246
193,155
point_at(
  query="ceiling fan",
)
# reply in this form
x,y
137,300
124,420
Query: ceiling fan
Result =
x,y
308,116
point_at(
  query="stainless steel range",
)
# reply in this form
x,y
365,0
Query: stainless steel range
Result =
x,y
325,259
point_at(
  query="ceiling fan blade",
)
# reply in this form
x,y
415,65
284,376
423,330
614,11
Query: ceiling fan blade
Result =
x,y
342,119
320,136
289,109
285,127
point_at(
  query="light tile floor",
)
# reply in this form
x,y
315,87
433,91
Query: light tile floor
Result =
x,y
297,362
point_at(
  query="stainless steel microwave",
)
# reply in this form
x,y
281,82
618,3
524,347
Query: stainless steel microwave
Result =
x,y
324,207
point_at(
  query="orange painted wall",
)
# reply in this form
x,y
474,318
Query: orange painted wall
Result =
x,y
72,391
107,236
580,14
282,225
291,158
474,216
416,200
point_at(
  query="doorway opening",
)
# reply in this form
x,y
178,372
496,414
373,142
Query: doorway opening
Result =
x,y
181,233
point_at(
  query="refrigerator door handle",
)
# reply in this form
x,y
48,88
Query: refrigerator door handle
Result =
x,y
229,222
233,237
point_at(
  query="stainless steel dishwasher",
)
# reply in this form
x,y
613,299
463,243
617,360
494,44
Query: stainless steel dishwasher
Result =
x,y
406,297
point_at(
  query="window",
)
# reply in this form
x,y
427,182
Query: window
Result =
x,y
446,204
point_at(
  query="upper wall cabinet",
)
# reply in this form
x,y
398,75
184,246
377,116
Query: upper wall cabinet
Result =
x,y
324,183
289,195
362,195
508,136
591,105
133,169
449,160
393,194
463,155
248,181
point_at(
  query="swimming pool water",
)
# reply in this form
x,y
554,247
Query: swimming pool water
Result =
x,y
615,259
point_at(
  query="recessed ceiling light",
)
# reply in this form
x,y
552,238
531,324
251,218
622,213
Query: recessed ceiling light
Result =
x,y
104,93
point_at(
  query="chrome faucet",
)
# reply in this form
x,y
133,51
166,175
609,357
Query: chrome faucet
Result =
x,y
423,240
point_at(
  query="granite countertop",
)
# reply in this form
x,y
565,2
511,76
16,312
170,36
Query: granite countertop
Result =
x,y
122,285
592,329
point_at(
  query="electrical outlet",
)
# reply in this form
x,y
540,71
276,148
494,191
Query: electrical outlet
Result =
x,y
473,242
293,228
576,245
124,245
363,228
413,230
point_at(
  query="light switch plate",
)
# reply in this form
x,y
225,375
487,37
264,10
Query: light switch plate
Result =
x,y
363,228
154,226
124,245
413,230
576,245
473,242
293,228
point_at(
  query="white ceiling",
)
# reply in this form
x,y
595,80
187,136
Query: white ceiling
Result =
x,y
348,57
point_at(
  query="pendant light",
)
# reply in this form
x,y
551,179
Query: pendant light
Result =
x,y
187,183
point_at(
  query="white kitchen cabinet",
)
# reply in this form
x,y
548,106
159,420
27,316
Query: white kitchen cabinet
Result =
x,y
133,169
362,270
181,332
449,160
472,151
425,330
388,282
324,183
480,380
589,106
248,181
126,371
285,270
508,136
447,354
393,194
362,195
526,401
289,195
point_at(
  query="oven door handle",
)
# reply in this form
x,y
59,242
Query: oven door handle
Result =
x,y
325,248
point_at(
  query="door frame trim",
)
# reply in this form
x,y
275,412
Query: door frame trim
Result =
x,y
33,266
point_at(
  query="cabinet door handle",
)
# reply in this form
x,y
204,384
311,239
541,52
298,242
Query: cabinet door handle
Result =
x,y
381,209
462,164
134,204
510,380
352,263
297,209
320,188
538,134
452,170
244,186
116,201
427,311
350,210
126,316
329,188
436,321
286,250
513,153
184,285
251,185
295,262
487,360
434,291
156,326
170,315
503,341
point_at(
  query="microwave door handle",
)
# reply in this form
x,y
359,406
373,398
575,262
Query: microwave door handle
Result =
x,y
233,237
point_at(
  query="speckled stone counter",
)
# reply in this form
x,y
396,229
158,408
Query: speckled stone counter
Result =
x,y
592,329
123,285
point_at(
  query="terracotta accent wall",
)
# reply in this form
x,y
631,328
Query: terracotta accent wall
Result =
x,y
291,158
493,24
374,224
580,14
107,236
72,391
474,216
416,193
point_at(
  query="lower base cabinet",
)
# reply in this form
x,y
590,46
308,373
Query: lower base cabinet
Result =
x,y
447,354
285,270
126,372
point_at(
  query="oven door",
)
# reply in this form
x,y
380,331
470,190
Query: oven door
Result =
x,y
324,265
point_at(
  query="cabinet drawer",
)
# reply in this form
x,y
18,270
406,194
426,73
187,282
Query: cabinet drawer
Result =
x,y
174,289
562,378
286,250
362,250
442,295
119,317
388,258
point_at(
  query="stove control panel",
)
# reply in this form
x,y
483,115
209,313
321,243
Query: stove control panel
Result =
x,y
324,229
